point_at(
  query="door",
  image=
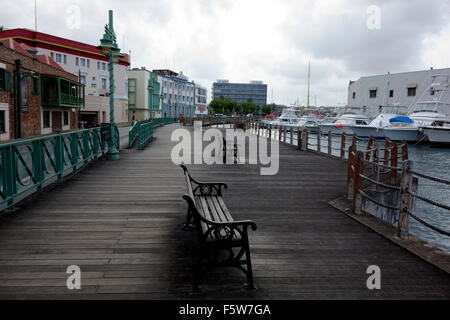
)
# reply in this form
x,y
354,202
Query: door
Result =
x,y
56,121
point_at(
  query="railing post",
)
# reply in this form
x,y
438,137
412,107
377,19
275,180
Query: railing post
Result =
x,y
299,139
343,142
292,136
376,159
350,172
59,156
330,141
86,146
319,138
305,137
405,200
354,140
357,183
369,146
95,143
38,163
394,163
405,155
270,131
9,168
74,151
280,133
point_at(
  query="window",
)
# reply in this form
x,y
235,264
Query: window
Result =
x,y
132,92
83,62
66,118
93,85
52,55
2,121
391,93
5,80
103,66
98,65
35,85
46,120
354,95
58,58
73,118
373,94
83,79
65,59
104,83
77,61
88,63
412,92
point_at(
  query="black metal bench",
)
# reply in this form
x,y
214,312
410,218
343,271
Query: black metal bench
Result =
x,y
222,241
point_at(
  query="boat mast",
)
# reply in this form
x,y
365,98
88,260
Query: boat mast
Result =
x,y
309,80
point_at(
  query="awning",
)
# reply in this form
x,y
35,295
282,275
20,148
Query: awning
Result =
x,y
401,120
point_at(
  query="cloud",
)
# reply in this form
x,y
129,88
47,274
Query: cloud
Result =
x,y
273,41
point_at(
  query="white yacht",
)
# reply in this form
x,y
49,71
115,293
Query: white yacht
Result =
x,y
289,119
344,123
438,132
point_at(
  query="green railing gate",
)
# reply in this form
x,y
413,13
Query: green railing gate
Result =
x,y
27,165
142,131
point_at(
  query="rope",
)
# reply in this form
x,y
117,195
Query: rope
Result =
x,y
376,201
381,184
434,203
421,175
446,233
381,165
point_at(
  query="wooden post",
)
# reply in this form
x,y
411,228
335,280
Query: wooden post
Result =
x,y
354,140
330,141
284,133
292,137
270,131
394,162
405,155
369,146
376,159
357,183
299,139
406,200
343,142
319,137
387,150
305,137
350,172
280,128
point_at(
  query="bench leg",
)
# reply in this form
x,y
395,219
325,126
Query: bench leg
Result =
x,y
250,283
188,225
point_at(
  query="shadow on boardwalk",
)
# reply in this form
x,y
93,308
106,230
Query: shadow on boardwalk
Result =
x,y
121,222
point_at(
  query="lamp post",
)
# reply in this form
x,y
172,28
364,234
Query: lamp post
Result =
x,y
111,50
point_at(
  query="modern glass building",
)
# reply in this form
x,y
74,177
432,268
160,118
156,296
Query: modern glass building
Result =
x,y
241,92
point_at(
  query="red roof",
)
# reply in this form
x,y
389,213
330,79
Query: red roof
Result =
x,y
14,45
47,41
22,48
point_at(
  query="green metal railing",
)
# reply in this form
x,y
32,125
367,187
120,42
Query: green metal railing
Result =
x,y
142,131
27,165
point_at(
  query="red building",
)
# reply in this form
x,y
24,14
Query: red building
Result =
x,y
41,99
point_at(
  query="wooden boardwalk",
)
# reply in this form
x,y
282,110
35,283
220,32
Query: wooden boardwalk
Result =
x,y
121,222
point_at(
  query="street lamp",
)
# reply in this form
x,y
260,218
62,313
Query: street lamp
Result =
x,y
110,49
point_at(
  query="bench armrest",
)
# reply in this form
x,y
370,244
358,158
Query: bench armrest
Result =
x,y
233,224
219,185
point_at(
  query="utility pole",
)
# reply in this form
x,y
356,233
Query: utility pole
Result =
x,y
309,79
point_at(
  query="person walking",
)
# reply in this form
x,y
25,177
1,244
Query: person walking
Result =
x,y
181,118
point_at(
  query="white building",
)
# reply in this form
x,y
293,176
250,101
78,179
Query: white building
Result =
x,y
91,66
144,93
399,89
201,95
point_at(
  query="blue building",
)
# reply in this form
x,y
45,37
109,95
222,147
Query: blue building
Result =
x,y
241,92
178,94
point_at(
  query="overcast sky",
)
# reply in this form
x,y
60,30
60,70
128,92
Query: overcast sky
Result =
x,y
272,41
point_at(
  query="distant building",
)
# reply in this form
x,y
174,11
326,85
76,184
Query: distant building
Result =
x,y
90,66
144,95
177,94
241,92
400,89
201,96
50,98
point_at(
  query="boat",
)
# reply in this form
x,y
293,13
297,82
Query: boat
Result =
x,y
438,133
344,123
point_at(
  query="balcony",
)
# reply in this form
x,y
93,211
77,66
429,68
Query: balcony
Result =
x,y
61,92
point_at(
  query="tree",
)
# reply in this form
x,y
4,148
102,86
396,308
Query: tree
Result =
x,y
268,109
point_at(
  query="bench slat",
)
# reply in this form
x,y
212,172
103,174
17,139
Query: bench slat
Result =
x,y
222,210
214,213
